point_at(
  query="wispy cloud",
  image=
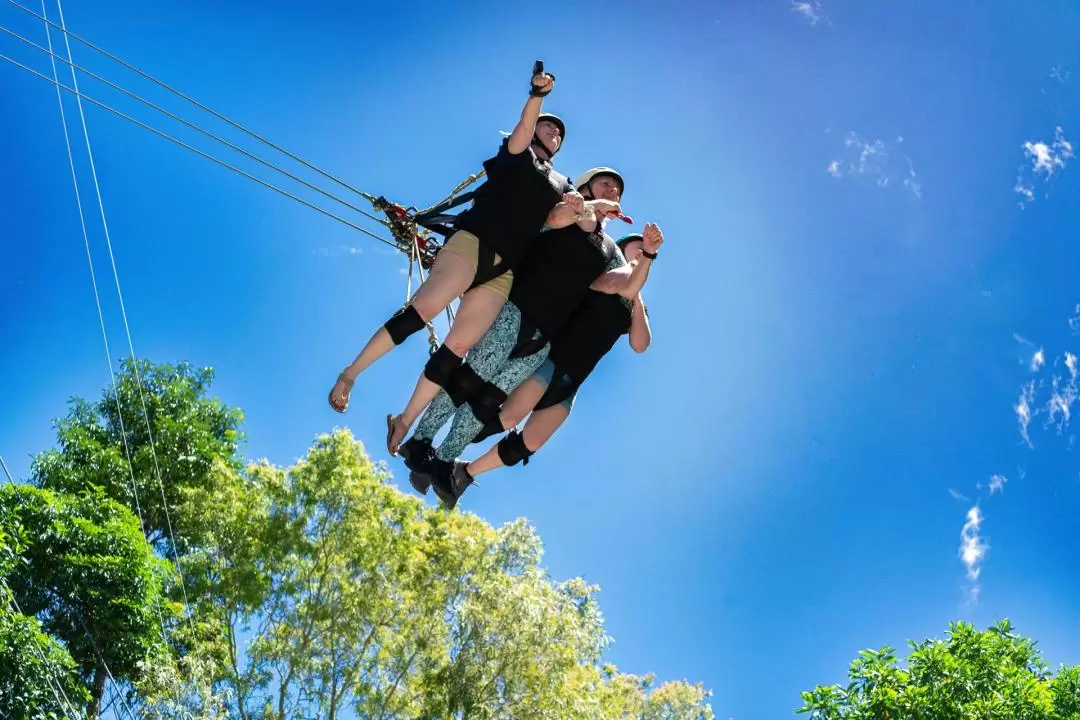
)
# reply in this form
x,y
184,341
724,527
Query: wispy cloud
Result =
x,y
1063,394
1042,161
810,10
339,250
1060,74
871,160
1024,411
956,495
997,483
1038,360
973,548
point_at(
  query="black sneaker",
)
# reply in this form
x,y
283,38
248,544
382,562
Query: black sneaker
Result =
x,y
418,455
451,481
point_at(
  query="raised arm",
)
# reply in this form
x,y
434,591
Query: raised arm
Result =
x,y
522,136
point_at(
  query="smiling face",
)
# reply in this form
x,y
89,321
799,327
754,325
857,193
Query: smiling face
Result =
x,y
550,135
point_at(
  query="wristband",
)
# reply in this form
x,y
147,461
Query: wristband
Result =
x,y
646,253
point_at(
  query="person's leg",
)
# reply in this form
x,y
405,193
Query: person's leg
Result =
x,y
520,403
478,310
484,361
453,272
484,406
515,448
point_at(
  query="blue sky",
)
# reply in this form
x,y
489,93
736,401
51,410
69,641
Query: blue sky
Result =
x,y
869,240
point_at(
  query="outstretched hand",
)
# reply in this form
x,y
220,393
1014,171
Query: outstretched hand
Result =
x,y
652,238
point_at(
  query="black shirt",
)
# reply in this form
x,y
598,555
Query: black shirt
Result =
x,y
590,333
511,207
555,276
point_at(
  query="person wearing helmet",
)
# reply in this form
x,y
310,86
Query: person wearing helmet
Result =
x,y
521,196
549,394
550,284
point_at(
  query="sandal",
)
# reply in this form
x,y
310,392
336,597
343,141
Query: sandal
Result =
x,y
344,395
395,433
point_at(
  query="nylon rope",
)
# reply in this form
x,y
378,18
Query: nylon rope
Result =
x,y
123,310
189,124
183,144
198,104
101,321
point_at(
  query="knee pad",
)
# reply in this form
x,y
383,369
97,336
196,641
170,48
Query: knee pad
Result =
x,y
441,366
404,323
463,384
494,427
486,402
512,450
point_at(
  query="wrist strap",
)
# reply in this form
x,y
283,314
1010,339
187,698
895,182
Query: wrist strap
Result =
x,y
651,256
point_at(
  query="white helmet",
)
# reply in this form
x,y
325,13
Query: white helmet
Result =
x,y
588,176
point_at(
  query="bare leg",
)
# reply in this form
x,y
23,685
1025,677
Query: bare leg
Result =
x,y
478,310
541,426
450,276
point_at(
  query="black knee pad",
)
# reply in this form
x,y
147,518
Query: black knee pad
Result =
x,y
494,427
404,323
485,404
442,365
512,450
463,384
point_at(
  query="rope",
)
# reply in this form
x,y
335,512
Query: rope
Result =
x,y
216,114
183,144
189,124
120,297
54,684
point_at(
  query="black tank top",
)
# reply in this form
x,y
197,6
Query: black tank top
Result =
x,y
555,276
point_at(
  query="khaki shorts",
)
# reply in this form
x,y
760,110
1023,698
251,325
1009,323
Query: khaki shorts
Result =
x,y
467,245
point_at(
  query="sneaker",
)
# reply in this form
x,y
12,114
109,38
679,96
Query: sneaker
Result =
x,y
418,455
451,481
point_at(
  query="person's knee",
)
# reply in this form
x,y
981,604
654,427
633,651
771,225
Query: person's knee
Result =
x,y
458,343
512,450
485,403
404,323
442,365
463,384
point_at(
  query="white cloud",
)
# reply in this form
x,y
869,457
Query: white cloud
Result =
x,y
956,495
1024,411
1046,160
1059,74
1074,321
973,548
339,250
810,10
911,182
997,483
870,160
1038,360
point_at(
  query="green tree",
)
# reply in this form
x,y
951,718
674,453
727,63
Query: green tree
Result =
x,y
88,574
992,675
312,591
192,435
